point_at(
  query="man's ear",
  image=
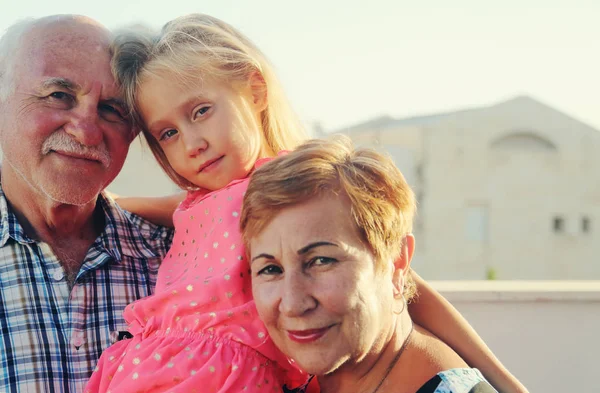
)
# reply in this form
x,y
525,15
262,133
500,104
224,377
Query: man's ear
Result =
x,y
402,263
258,88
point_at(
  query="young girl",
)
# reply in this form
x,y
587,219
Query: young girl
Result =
x,y
200,90
212,111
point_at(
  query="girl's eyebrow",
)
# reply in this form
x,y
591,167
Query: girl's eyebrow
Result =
x,y
192,101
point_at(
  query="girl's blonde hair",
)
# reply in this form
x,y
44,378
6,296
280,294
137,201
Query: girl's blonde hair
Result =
x,y
189,49
382,204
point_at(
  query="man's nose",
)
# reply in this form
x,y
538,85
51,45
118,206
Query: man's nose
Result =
x,y
84,124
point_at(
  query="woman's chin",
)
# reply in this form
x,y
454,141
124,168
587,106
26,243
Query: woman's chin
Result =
x,y
318,365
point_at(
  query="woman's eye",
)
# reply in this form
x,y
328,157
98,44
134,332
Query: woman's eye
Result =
x,y
321,261
269,270
202,111
168,134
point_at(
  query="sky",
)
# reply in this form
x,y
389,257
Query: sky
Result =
x,y
344,62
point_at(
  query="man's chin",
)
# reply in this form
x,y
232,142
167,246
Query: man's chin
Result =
x,y
71,196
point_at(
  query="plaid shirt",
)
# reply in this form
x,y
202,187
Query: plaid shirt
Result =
x,y
51,338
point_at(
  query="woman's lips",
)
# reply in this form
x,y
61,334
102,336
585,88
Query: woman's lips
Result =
x,y
307,336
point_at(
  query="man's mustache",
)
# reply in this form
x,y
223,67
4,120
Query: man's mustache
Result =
x,y
62,142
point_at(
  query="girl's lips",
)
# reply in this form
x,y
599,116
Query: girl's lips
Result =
x,y
209,165
307,336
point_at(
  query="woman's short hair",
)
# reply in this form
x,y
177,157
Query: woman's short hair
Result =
x,y
382,203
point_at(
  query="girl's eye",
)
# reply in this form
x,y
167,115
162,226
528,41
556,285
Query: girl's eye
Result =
x,y
270,270
168,134
201,111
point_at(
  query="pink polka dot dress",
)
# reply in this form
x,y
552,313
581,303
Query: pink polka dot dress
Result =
x,y
200,331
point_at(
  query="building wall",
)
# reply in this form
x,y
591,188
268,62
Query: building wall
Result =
x,y
496,181
510,191
545,333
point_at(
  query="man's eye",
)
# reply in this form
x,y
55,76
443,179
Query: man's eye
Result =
x,y
110,108
111,113
62,96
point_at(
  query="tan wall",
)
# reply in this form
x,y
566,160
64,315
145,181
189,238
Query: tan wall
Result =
x,y
523,189
545,333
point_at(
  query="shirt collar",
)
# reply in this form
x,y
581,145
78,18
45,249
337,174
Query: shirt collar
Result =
x,y
121,235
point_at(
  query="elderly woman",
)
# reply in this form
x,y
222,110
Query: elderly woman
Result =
x,y
328,230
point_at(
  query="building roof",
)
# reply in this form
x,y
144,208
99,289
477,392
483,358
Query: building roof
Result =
x,y
387,122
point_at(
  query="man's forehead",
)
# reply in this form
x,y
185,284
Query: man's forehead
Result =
x,y
74,26
65,41
74,57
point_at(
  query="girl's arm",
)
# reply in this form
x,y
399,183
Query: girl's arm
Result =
x,y
432,311
158,210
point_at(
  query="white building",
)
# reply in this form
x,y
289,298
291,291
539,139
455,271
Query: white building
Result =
x,y
510,191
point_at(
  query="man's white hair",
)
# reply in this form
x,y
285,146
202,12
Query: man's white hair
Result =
x,y
9,47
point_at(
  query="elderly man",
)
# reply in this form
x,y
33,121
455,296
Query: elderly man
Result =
x,y
70,259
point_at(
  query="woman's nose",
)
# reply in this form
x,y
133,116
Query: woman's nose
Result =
x,y
296,298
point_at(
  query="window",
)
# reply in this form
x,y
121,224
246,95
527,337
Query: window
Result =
x,y
477,219
524,140
559,224
585,224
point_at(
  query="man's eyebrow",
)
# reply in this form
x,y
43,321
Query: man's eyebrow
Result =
x,y
309,247
62,83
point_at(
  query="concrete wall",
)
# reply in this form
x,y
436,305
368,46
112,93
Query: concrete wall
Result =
x,y
545,332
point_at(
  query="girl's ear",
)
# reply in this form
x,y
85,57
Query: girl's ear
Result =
x,y
258,88
402,263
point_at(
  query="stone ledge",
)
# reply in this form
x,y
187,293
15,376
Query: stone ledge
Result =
x,y
519,291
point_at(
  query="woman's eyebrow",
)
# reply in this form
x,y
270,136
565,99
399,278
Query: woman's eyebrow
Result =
x,y
309,247
263,255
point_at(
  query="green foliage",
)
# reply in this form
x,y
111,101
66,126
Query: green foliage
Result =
x,y
491,274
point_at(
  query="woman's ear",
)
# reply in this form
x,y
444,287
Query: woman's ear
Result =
x,y
402,263
258,88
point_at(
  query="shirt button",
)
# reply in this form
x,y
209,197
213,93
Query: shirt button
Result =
x,y
58,275
78,342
